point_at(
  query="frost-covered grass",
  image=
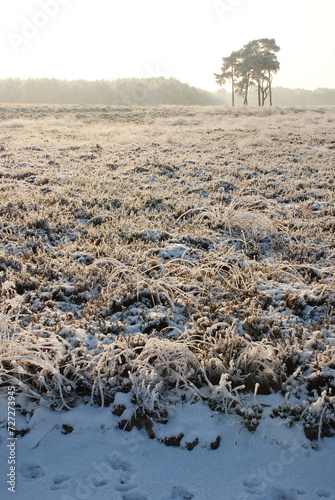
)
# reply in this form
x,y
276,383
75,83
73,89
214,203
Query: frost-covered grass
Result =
x,y
170,254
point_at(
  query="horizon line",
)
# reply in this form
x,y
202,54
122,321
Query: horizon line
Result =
x,y
146,78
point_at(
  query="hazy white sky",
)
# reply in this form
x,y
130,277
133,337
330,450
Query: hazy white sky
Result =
x,y
186,39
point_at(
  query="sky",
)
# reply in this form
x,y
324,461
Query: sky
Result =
x,y
185,39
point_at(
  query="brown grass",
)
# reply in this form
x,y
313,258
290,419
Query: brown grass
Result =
x,y
167,248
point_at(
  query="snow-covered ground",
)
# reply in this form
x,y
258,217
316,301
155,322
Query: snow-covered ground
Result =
x,y
167,303
82,455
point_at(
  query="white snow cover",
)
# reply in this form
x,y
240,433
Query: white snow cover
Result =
x,y
81,455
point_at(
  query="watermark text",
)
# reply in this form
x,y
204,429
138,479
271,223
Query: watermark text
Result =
x,y
11,440
31,27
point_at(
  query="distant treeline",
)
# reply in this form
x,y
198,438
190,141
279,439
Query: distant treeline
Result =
x,y
142,91
123,91
286,97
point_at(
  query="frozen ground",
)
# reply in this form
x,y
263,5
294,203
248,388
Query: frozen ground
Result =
x,y
81,455
167,302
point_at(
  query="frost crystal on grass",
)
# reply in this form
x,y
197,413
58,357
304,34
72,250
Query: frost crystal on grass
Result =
x,y
201,270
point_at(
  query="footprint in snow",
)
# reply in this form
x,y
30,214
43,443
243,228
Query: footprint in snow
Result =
x,y
134,496
99,482
323,494
256,488
115,473
280,494
253,485
118,463
60,482
30,471
123,472
179,493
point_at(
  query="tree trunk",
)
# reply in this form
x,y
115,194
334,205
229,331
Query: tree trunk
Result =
x,y
232,89
245,102
270,89
264,96
259,92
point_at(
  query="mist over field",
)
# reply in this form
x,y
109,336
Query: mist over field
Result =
x,y
143,91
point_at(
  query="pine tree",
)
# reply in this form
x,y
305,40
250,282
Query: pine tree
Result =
x,y
253,65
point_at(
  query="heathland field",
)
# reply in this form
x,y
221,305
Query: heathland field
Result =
x,y
165,255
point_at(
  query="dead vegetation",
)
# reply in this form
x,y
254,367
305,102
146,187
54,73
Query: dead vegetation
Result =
x,y
172,254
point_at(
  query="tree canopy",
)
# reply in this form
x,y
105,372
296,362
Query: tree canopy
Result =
x,y
250,67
